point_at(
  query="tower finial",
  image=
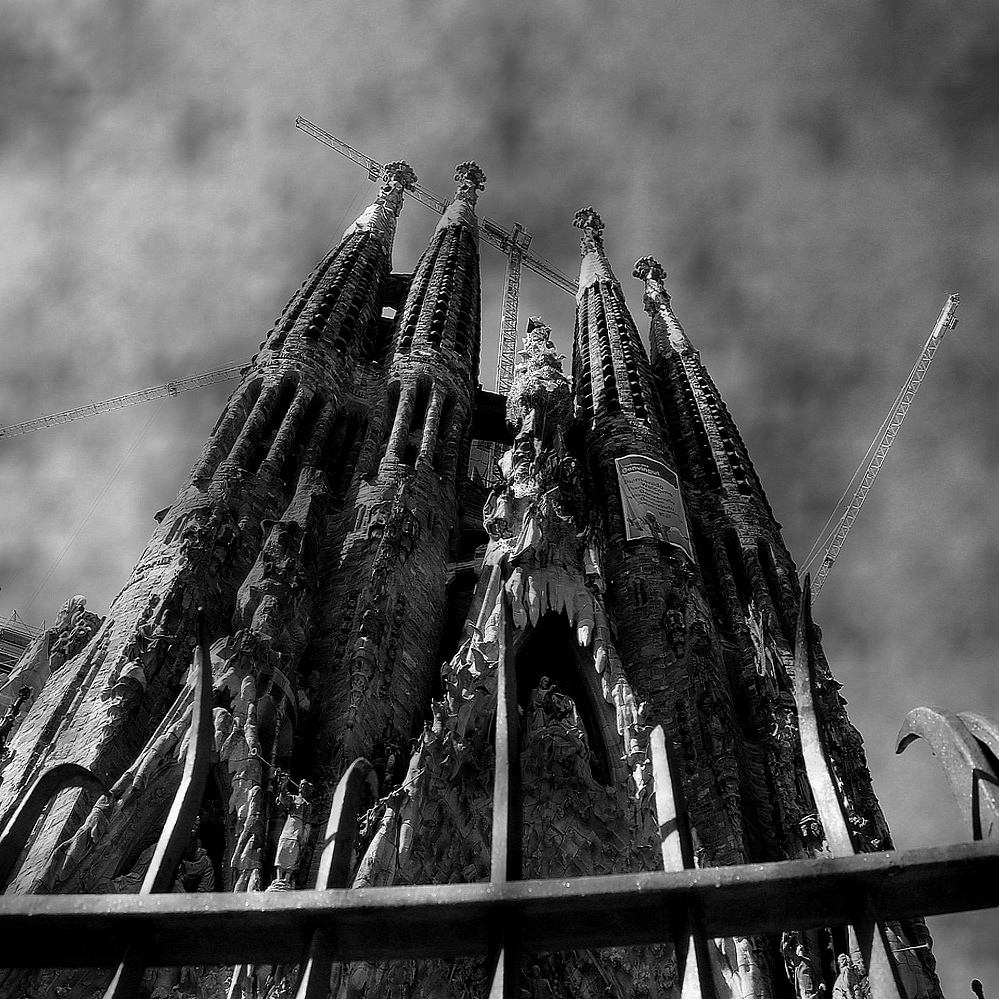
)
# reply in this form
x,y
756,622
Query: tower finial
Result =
x,y
470,180
594,266
648,268
380,217
396,176
593,226
666,327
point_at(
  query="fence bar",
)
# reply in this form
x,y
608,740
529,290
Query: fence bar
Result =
x,y
506,863
18,827
186,806
335,869
445,921
881,969
184,810
693,953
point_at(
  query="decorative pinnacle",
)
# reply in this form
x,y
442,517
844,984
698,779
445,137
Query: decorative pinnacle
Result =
x,y
397,178
470,180
537,326
666,329
538,348
649,270
593,226
539,382
649,267
398,173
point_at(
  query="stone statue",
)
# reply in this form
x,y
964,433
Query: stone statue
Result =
x,y
848,981
196,872
296,830
807,982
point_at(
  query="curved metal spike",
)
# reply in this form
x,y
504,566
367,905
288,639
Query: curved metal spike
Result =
x,y
184,810
341,829
22,819
128,975
985,730
960,754
874,946
335,869
506,860
186,805
820,777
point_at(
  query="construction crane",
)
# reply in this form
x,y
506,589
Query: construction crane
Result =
x,y
947,320
520,239
120,402
514,244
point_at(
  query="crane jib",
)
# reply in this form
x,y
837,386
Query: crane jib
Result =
x,y
947,320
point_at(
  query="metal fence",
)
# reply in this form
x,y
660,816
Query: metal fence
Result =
x,y
509,916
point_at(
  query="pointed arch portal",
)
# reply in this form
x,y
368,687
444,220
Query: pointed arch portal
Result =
x,y
549,649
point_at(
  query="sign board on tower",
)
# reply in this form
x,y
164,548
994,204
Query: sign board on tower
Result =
x,y
650,496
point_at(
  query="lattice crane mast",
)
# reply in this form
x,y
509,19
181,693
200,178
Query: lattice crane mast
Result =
x,y
947,320
514,244
121,401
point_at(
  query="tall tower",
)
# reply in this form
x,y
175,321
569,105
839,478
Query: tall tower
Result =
x,y
753,590
634,579
244,540
385,602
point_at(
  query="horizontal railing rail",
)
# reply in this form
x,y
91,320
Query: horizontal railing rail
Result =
x,y
449,921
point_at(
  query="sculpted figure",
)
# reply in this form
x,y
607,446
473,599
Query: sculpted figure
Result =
x,y
847,984
807,982
296,830
69,613
196,872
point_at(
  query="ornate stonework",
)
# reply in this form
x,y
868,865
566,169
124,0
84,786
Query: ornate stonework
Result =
x,y
332,535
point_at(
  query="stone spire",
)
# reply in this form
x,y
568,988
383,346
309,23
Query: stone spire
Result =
x,y
539,380
713,458
594,266
610,366
705,437
470,180
666,330
380,217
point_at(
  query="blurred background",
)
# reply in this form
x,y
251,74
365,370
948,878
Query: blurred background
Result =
x,y
815,179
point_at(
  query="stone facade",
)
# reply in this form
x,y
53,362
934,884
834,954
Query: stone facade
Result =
x,y
332,536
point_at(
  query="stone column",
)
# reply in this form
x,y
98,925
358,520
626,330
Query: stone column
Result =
x,y
224,435
431,424
284,441
400,429
254,427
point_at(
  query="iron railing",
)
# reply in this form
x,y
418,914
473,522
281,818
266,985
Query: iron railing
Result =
x,y
508,916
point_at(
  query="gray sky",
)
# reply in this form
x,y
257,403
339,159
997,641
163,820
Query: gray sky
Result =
x,y
815,178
